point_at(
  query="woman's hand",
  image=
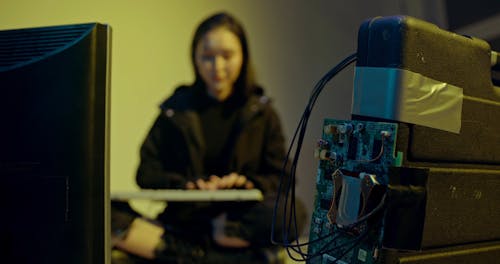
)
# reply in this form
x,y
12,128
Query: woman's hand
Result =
x,y
230,181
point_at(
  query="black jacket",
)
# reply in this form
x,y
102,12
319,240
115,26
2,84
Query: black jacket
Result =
x,y
173,151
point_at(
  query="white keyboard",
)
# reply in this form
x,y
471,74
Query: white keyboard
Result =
x,y
179,195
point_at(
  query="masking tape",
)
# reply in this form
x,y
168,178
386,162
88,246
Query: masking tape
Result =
x,y
406,96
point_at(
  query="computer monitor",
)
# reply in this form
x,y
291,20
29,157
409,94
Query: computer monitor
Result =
x,y
54,144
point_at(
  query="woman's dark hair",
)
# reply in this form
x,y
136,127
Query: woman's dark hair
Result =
x,y
245,84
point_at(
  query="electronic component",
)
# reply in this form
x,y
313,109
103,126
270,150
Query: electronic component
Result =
x,y
344,225
438,196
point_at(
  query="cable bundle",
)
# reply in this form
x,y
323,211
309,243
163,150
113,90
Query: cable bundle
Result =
x,y
286,189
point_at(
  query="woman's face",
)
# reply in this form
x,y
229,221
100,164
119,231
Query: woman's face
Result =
x,y
219,58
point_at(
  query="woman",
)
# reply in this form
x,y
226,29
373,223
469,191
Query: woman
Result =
x,y
218,133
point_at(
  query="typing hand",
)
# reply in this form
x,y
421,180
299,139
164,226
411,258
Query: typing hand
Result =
x,y
230,181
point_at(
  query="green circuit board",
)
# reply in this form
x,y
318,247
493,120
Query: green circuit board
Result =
x,y
352,155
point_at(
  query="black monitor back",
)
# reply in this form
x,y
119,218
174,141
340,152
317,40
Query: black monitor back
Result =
x,y
54,112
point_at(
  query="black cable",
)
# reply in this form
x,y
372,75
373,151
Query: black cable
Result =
x,y
301,132
329,250
291,222
332,251
356,240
